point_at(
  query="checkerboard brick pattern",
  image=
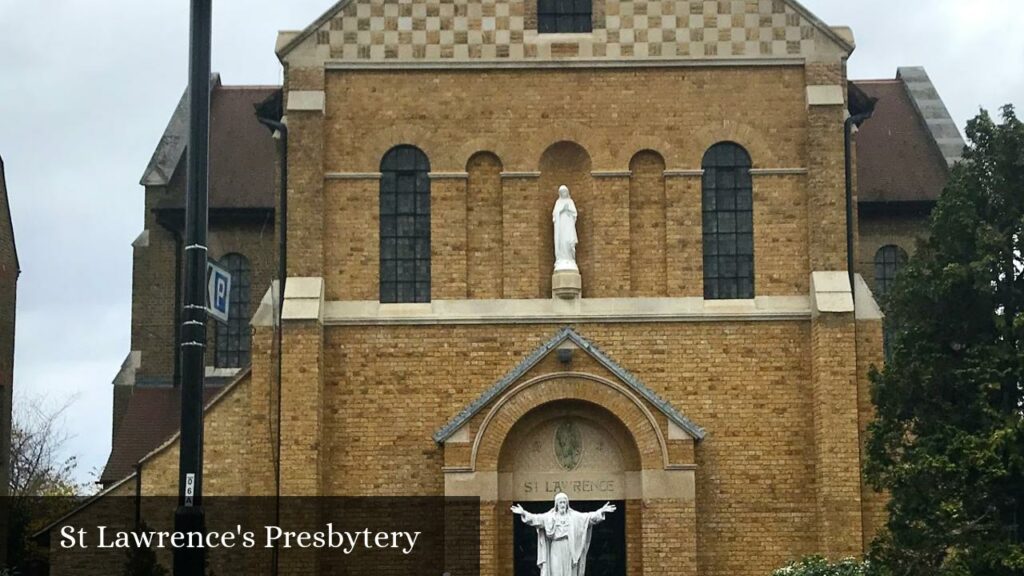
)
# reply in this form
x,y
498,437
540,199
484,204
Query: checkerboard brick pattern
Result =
x,y
441,30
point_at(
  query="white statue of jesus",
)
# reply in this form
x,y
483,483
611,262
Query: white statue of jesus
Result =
x,y
563,536
564,219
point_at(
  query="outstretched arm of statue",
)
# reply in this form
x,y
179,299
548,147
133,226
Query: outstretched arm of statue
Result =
x,y
528,518
598,515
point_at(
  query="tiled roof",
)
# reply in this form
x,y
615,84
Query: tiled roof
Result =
x,y
153,416
898,156
243,155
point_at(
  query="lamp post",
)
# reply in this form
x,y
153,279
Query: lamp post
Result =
x,y
189,516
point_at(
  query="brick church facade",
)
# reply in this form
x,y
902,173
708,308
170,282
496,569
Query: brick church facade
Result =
x,y
712,371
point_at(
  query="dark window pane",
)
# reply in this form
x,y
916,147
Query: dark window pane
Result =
x,y
711,267
710,222
405,238
711,244
406,270
422,228
406,248
745,245
232,339
728,267
726,199
388,226
388,271
888,262
727,221
406,203
423,248
727,244
423,292
405,292
388,292
423,204
726,179
744,222
406,226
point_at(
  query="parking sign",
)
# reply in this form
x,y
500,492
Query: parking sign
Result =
x,y
218,291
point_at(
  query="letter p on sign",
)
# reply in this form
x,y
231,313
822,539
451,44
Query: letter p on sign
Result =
x,y
218,292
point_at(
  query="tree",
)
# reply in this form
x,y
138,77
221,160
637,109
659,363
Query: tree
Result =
x,y
947,443
42,484
36,442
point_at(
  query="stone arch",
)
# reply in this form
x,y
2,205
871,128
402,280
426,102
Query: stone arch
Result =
x,y
761,151
647,226
614,397
565,162
392,137
484,266
645,143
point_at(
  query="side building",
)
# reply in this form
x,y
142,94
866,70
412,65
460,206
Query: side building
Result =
x,y
904,154
243,165
9,271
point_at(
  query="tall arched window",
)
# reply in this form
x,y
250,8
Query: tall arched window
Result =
x,y
888,261
728,220
405,226
233,345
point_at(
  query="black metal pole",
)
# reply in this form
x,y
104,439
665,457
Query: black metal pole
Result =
x,y
852,121
282,275
189,516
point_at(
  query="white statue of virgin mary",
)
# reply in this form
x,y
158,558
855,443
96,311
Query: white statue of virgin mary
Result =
x,y
564,218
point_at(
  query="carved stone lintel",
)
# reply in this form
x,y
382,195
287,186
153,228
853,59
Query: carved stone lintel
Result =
x,y
567,284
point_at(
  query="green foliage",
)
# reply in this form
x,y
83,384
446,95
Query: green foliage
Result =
x,y
818,566
947,443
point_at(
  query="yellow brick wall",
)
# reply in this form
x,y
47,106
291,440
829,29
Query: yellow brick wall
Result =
x,y
869,355
388,389
583,128
483,226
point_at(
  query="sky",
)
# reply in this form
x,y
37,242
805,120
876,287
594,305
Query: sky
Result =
x,y
87,88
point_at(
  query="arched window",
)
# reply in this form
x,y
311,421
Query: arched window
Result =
x,y
888,261
233,345
728,220
564,16
405,226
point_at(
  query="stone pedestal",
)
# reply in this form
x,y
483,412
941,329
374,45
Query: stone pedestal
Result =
x,y
566,284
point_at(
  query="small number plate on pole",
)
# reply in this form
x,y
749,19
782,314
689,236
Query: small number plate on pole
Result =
x,y
190,488
218,291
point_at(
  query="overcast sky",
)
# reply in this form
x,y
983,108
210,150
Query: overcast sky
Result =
x,y
87,87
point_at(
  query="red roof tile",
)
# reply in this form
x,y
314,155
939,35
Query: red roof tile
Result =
x,y
897,158
153,416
